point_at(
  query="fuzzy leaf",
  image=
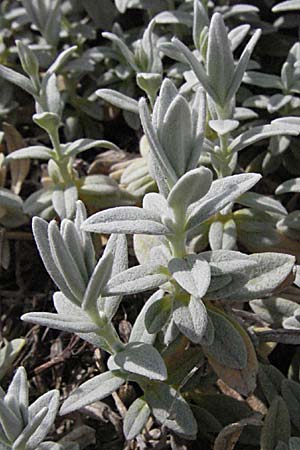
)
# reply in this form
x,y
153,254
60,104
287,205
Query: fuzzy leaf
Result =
x,y
136,418
242,380
271,273
220,64
192,186
228,346
171,410
276,426
17,78
221,193
192,273
127,220
141,359
136,279
291,395
40,232
158,314
35,152
193,322
139,332
119,100
50,401
92,390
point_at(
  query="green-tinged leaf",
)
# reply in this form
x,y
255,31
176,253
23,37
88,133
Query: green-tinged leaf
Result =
x,y
127,220
192,273
222,127
242,380
161,161
16,398
274,310
141,359
175,135
61,59
292,185
158,314
228,346
197,67
139,332
92,390
23,438
136,418
10,423
171,410
291,395
123,49
269,381
276,426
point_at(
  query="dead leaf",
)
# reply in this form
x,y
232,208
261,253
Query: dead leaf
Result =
x,y
18,169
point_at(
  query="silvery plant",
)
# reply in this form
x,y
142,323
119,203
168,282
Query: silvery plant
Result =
x,y
62,186
213,68
24,426
192,293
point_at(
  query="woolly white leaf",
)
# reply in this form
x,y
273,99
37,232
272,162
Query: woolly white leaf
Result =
x,y
242,66
192,319
192,186
139,331
136,418
127,220
119,100
171,410
50,401
92,390
40,231
220,64
136,279
98,280
64,323
34,152
65,262
228,346
272,270
223,126
141,359
17,78
221,193
192,273
23,438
